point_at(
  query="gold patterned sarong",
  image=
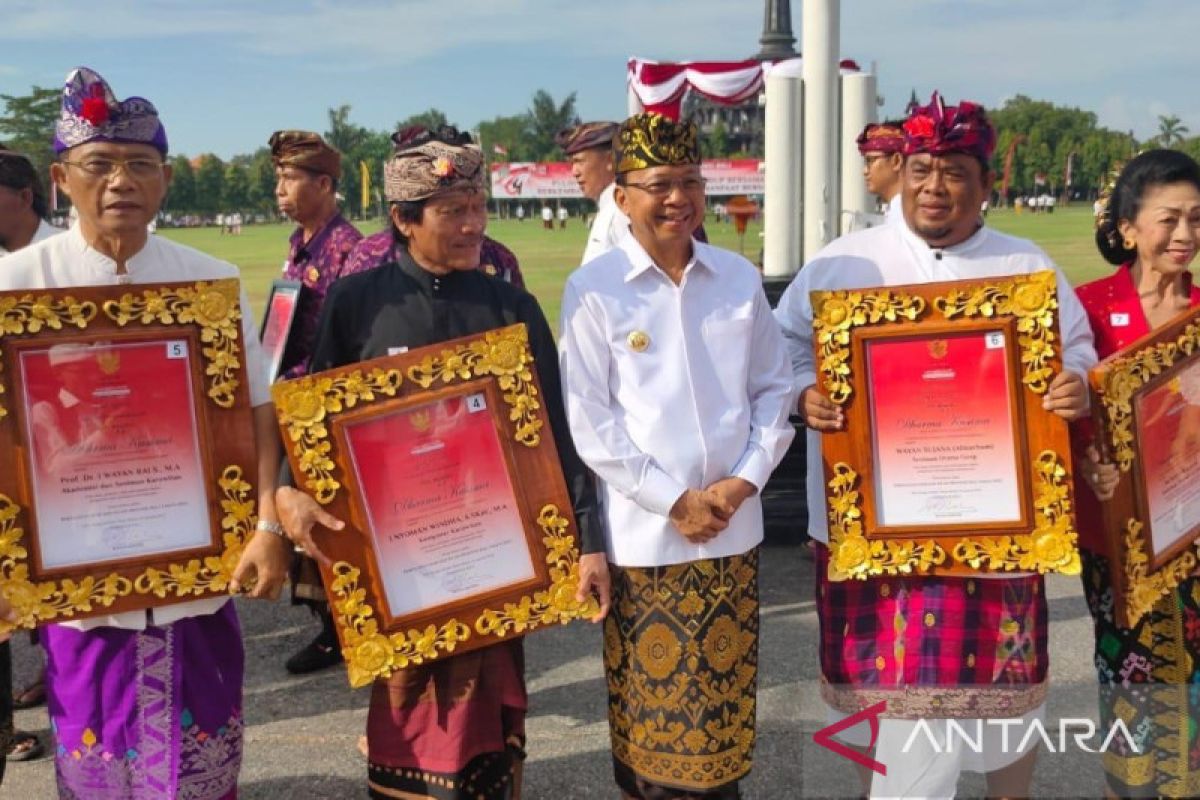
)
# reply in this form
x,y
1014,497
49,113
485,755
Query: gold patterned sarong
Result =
x,y
681,658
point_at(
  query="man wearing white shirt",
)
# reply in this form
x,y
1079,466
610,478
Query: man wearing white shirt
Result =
x,y
964,648
22,203
881,145
589,148
145,703
678,392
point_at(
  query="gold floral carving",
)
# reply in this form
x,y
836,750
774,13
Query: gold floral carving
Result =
x,y
1129,374
212,306
302,406
1146,588
32,313
503,354
836,313
852,554
1050,547
1033,300
371,653
43,601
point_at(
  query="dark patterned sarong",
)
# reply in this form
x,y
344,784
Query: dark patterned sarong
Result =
x,y
451,730
933,647
681,657
142,714
1150,680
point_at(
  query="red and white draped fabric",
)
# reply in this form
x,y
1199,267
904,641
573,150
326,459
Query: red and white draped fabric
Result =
x,y
660,87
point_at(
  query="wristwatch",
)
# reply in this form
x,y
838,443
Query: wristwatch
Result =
x,y
270,527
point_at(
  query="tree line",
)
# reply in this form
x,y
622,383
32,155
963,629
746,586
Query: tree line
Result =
x,y
1052,143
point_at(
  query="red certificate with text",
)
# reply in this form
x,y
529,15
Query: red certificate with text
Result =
x,y
944,443
1168,443
116,465
440,505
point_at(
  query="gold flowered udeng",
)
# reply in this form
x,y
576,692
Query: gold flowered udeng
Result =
x,y
371,654
652,140
31,313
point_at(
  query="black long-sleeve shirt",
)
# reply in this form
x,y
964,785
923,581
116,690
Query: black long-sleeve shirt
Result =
x,y
404,305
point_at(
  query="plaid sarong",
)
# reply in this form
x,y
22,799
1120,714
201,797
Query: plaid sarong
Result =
x,y
931,646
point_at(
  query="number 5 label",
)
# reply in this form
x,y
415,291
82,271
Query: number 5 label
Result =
x,y
176,349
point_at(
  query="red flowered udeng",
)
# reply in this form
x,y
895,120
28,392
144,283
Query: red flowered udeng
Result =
x,y
939,129
94,110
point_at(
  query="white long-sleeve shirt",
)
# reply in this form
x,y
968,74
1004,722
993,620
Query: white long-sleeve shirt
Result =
x,y
891,255
67,260
672,387
607,228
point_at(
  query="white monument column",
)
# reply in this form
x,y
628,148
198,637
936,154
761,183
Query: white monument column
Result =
x,y
782,225
858,109
819,50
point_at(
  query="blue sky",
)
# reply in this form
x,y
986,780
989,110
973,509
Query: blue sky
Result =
x,y
225,74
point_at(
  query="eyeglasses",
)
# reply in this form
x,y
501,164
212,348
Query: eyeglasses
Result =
x,y
663,188
137,168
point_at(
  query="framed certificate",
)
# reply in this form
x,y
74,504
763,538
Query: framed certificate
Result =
x,y
120,497
442,463
277,324
947,464
1147,399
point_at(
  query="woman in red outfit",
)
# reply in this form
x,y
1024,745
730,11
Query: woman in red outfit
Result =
x,y
1149,674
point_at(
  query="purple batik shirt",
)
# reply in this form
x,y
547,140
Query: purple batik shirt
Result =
x,y
382,248
316,263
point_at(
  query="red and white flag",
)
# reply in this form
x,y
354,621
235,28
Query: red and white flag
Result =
x,y
499,150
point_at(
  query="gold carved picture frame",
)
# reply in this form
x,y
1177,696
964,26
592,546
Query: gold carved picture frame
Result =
x,y
203,321
315,415
1023,311
1119,383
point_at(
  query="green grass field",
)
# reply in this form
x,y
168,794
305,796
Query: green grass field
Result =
x,y
547,257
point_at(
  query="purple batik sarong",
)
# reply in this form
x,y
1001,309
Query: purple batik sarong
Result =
x,y
146,714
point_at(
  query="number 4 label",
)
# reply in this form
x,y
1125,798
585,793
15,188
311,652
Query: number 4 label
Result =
x,y
476,402
176,349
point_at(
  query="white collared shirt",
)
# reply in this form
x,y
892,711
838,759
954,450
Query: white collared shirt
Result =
x,y
670,388
68,260
607,228
891,255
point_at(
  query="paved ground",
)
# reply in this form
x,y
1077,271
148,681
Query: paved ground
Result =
x,y
301,732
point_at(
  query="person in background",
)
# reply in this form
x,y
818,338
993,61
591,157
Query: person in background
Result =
x,y
588,146
307,171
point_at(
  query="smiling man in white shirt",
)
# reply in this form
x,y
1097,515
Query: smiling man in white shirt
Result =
x,y
678,391
934,648
145,703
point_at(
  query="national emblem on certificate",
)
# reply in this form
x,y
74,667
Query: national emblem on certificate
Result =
x,y
948,463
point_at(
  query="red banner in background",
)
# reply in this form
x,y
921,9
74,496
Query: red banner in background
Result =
x,y
526,181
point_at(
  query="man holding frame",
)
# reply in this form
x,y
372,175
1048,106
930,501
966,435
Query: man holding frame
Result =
x,y
455,727
924,636
145,702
